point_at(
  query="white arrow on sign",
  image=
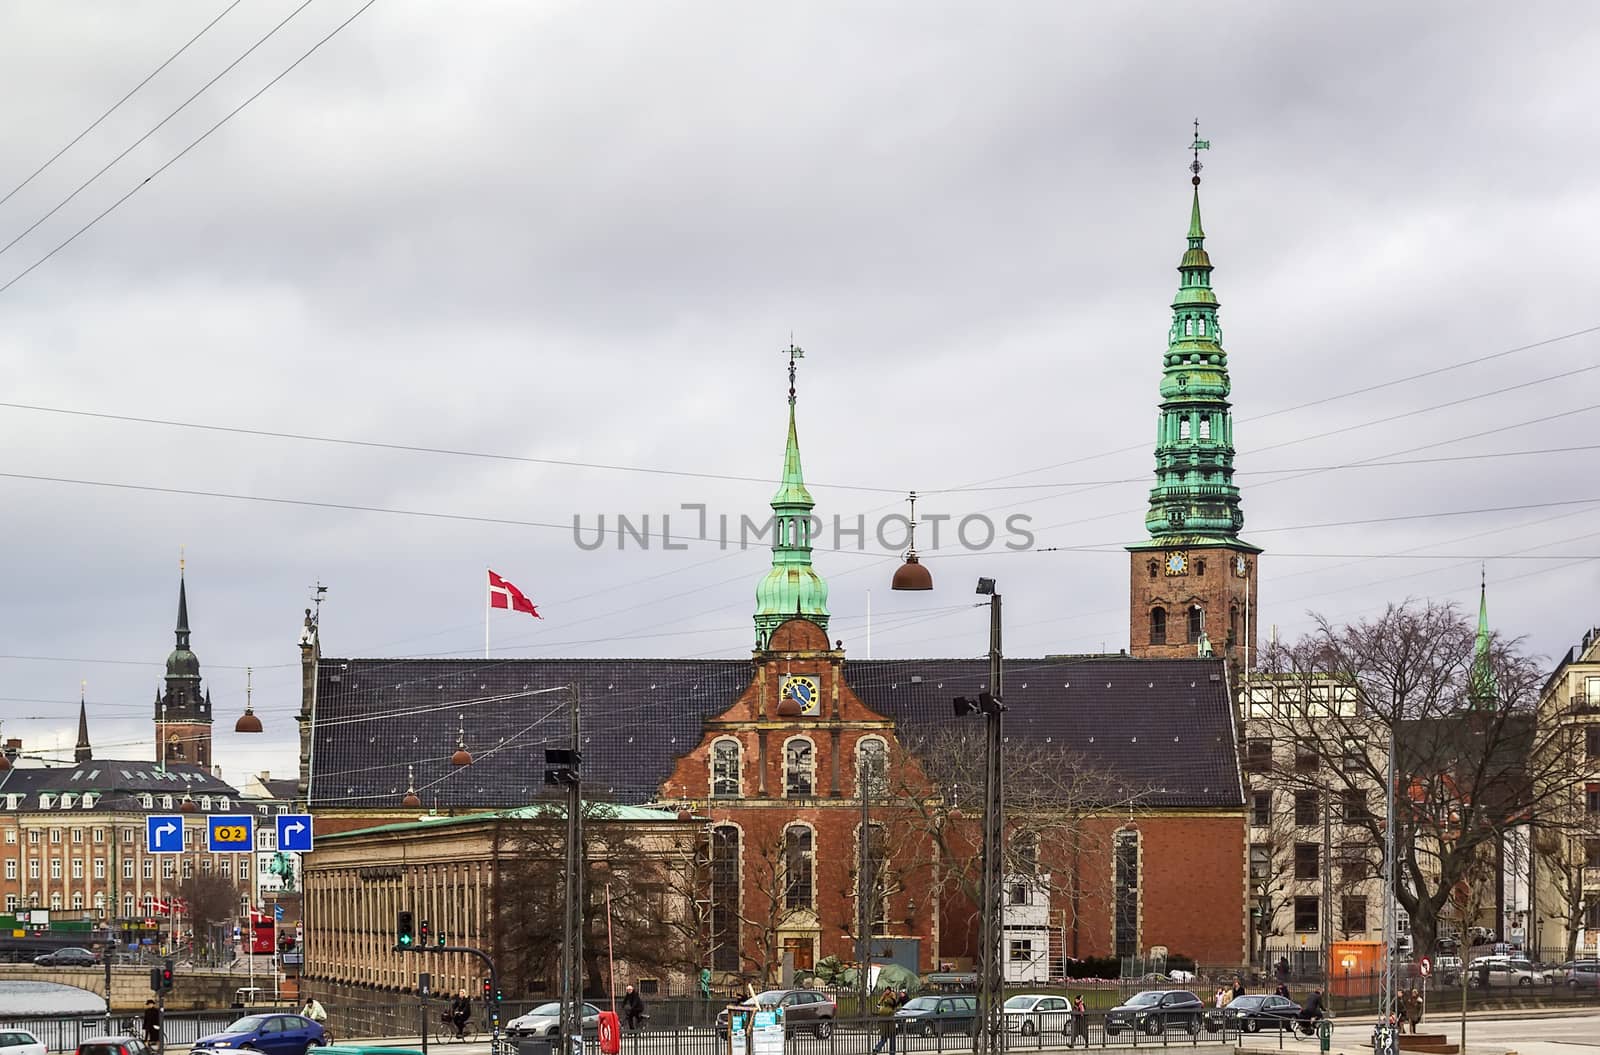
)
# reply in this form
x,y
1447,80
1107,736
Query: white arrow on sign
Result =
x,y
163,830
294,826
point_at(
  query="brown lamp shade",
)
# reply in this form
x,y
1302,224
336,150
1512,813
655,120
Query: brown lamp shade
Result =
x,y
912,575
685,814
187,805
411,801
247,723
462,757
789,707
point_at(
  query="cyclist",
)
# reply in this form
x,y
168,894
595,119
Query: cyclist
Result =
x,y
1312,1012
460,1013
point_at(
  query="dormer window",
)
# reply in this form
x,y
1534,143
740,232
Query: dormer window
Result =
x,y
67,800
205,803
46,800
89,799
147,801
166,802
222,803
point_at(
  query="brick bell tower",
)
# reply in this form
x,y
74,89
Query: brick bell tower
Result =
x,y
1192,586
183,711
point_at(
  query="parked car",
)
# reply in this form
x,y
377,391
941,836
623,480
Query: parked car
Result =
x,y
123,1045
931,1015
271,1034
1253,1012
68,957
19,1042
1156,1011
545,1021
802,1010
1031,1015
1581,974
1506,973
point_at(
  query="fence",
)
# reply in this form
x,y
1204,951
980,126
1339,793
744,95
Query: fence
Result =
x,y
182,1028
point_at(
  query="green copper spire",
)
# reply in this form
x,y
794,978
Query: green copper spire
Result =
x,y
1194,501
1484,690
792,588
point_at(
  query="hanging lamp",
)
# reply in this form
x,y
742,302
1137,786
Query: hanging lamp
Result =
x,y
411,800
462,757
248,722
912,575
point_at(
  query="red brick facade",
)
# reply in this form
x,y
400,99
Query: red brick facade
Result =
x,y
1165,585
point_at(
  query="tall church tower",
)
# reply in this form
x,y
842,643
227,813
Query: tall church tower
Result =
x,y
1193,583
792,587
183,712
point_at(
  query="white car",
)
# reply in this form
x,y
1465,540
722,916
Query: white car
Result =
x,y
545,1021
19,1042
1031,1014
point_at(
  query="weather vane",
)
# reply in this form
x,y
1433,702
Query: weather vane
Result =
x,y
1197,146
794,352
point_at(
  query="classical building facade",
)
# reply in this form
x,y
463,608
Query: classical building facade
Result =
x,y
1192,584
1566,860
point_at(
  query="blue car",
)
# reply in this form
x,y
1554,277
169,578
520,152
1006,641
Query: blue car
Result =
x,y
268,1034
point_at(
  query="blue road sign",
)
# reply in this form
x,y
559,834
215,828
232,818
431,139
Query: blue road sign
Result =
x,y
163,833
294,832
230,833
277,913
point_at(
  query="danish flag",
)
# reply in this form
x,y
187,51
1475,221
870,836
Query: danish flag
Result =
x,y
504,595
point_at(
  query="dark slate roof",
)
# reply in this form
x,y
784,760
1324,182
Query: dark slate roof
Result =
x,y
1161,727
1165,727
283,790
119,781
638,716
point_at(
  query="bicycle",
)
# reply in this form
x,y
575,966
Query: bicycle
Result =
x,y
468,1031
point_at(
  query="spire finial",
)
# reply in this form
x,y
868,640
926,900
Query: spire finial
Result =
x,y
181,548
1197,146
794,352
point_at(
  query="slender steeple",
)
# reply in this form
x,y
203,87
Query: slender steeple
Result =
x,y
792,588
1484,689
183,708
83,752
1194,500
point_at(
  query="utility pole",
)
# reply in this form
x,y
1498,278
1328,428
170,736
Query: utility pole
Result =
x,y
990,1036
563,767
1384,1041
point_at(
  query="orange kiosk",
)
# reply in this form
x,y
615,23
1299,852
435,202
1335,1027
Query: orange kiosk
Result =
x,y
1354,968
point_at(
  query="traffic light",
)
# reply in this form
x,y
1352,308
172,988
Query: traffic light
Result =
x,y
404,932
425,938
488,990
155,979
498,996
441,939
166,976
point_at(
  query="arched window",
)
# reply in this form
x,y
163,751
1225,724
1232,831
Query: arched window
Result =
x,y
724,898
1158,625
1155,569
1205,428
1200,325
1183,429
149,904
872,763
1197,623
1125,893
725,769
55,901
1233,623
127,906
1199,567
1188,327
77,899
799,887
799,768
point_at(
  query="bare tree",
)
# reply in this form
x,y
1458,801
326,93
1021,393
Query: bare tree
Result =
x,y
209,900
1472,761
1053,801
1270,876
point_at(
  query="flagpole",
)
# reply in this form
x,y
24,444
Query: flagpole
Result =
x,y
486,613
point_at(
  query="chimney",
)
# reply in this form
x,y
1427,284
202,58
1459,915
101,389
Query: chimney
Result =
x,y
12,749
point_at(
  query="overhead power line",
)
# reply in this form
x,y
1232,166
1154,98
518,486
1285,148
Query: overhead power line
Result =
x,y
118,104
108,210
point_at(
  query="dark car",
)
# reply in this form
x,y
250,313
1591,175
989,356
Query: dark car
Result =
x,y
932,1015
1252,1013
802,1010
68,957
123,1045
1157,1011
271,1034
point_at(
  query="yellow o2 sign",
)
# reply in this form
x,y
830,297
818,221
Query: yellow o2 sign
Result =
x,y
230,833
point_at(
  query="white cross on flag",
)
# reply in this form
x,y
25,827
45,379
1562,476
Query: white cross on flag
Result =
x,y
503,594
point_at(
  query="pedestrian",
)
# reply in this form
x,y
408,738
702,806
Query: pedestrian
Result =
x,y
888,1004
152,1023
314,1010
633,1009
1283,969
1220,997
1080,1022
1238,986
1282,990
1415,1007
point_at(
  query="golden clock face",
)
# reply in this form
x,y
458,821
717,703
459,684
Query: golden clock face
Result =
x,y
1177,563
802,690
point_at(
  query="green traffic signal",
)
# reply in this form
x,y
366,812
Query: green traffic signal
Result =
x,y
405,935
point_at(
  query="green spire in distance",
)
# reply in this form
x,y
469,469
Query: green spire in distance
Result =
x,y
1484,689
792,588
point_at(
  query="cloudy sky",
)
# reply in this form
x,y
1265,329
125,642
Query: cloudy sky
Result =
x,y
583,232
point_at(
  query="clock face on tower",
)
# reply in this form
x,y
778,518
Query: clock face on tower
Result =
x,y
802,690
1177,563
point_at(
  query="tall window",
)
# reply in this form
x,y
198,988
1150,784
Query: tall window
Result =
x,y
1260,862
1025,850
798,768
1257,755
1197,623
725,898
1158,625
1233,623
1261,808
1591,799
874,885
1125,881
1355,804
1307,918
1591,740
1205,428
798,881
725,768
1183,428
1307,860
873,759
1307,808
1354,913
